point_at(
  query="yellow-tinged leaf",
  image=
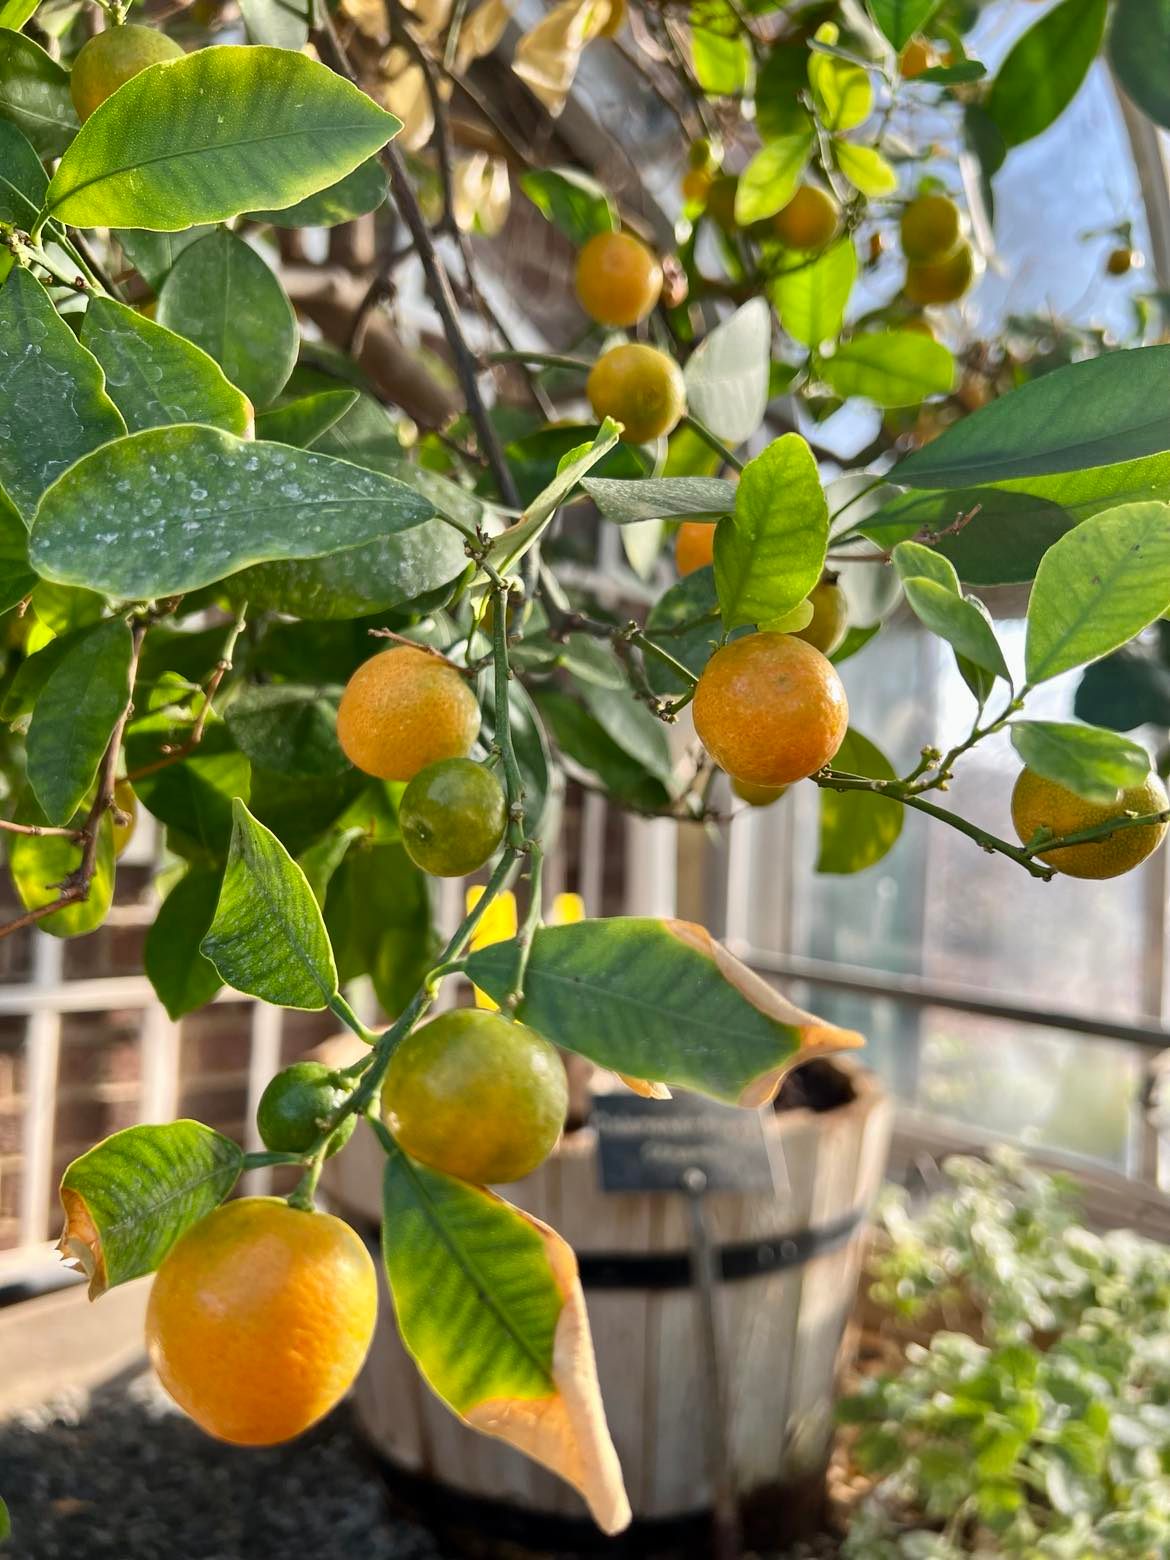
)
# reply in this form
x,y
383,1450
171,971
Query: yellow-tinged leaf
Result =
x,y
547,56
481,31
499,923
568,1432
816,1035
865,168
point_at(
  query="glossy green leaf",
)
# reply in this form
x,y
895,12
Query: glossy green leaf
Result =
x,y
284,24
1099,412
305,421
193,796
842,91
129,1199
770,553
1139,46
890,368
34,94
162,512
582,738
288,728
720,51
1044,70
40,863
221,131
222,296
857,828
489,1306
769,181
958,621
155,377
1097,587
268,938
74,718
811,298
1127,689
359,192
865,168
573,202
182,978
1096,764
685,621
153,254
17,579
658,999
727,374
366,435
14,14
656,498
899,20
610,699
322,858
913,561
509,547
42,431
23,180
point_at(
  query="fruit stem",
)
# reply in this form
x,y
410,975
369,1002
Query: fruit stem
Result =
x,y
1096,831
712,441
513,780
542,359
339,1006
532,920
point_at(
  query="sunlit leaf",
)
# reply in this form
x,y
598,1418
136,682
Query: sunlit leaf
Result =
x,y
75,715
1096,764
858,828
769,181
770,553
811,297
727,374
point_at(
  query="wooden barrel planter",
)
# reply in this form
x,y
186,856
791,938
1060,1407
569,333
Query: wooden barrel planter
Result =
x,y
789,1271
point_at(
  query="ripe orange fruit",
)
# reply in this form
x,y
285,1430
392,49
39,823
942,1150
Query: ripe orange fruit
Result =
x,y
297,1105
917,56
260,1318
941,281
452,815
694,546
1038,803
110,58
929,228
405,709
476,1096
830,618
618,280
757,795
127,804
770,709
809,221
639,387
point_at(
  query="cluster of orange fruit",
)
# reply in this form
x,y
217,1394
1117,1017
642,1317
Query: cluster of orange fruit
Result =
x,y
940,263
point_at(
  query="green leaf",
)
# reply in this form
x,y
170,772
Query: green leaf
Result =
x,y
657,498
219,132
14,14
288,728
17,579
858,828
23,180
222,296
1097,587
304,421
685,621
913,561
1139,45
359,192
1096,413
490,1308
720,50
770,553
39,864
5,1523
727,374
661,1000
899,20
361,580
75,716
958,621
38,353
769,181
183,979
129,1199
268,938
153,254
610,699
585,741
282,23
890,368
34,94
573,202
842,91
163,511
509,547
1127,689
155,377
865,168
321,860
811,299
1096,764
1044,70
193,796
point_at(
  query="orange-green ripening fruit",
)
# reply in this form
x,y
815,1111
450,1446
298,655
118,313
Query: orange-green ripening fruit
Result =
x,y
405,709
618,280
1121,261
260,1318
941,281
830,619
929,228
1038,804
809,221
639,387
917,56
111,58
770,709
694,546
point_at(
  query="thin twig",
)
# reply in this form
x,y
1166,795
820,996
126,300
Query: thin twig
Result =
x,y
182,750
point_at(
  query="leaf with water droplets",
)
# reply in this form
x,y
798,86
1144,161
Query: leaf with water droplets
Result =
x,y
172,509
